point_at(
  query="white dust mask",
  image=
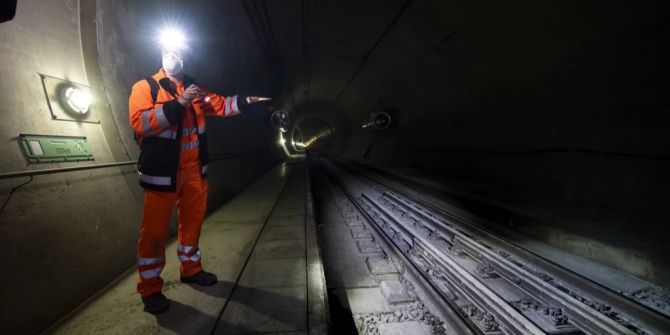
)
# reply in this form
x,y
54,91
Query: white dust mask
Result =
x,y
172,64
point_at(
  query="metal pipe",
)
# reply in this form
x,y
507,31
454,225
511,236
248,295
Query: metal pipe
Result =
x,y
97,166
59,170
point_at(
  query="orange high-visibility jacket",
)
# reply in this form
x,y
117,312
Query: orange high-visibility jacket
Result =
x,y
159,127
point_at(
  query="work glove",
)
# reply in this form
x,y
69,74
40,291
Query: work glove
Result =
x,y
254,99
191,93
244,102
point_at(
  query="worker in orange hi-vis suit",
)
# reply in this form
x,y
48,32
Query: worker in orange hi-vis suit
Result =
x,y
167,112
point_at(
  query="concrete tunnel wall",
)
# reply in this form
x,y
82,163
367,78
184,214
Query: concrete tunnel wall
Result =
x,y
63,237
555,110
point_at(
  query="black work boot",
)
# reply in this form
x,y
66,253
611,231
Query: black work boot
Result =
x,y
201,278
156,303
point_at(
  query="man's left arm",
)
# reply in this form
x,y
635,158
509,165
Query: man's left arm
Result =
x,y
213,104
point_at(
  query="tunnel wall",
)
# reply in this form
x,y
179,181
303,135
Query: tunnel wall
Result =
x,y
558,107
64,236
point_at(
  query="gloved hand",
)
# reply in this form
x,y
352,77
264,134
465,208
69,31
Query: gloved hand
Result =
x,y
254,99
244,104
190,93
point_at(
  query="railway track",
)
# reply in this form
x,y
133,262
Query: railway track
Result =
x,y
477,282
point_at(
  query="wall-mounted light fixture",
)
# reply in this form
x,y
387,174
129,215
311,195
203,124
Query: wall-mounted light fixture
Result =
x,y
68,101
280,119
377,121
77,100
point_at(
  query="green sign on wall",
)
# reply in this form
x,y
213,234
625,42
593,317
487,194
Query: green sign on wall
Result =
x,y
50,148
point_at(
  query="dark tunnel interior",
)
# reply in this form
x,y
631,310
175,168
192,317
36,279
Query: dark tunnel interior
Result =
x,y
548,119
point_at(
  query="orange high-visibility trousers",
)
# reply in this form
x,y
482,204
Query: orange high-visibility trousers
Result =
x,y
191,201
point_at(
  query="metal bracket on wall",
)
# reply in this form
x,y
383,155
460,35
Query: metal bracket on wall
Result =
x,y
53,89
51,148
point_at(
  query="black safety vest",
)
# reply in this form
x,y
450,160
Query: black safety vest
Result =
x,y
159,156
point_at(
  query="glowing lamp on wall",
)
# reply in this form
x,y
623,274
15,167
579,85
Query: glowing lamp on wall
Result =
x,y
377,121
280,119
77,100
68,100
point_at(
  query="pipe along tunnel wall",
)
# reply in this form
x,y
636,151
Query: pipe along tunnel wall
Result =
x,y
63,237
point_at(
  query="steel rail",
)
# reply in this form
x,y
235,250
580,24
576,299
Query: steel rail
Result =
x,y
471,287
637,315
427,291
582,315
617,306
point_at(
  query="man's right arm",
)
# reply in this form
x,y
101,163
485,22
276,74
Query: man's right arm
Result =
x,y
148,119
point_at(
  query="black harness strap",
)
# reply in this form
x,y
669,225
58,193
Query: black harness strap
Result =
x,y
153,84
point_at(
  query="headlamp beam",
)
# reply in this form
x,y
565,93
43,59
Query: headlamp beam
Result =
x,y
172,40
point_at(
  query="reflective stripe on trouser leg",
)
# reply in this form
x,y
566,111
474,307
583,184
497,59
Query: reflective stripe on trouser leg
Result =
x,y
192,255
151,273
193,258
150,260
187,253
191,207
151,243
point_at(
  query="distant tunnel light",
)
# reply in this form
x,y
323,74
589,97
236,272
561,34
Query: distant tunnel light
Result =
x,y
282,144
77,100
172,39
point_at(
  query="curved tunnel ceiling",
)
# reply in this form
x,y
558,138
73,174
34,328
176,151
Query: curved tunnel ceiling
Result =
x,y
491,66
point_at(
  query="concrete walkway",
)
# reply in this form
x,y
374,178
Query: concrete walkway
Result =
x,y
255,244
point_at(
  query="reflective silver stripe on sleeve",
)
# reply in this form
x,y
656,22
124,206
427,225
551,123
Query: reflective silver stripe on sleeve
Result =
x,y
149,261
160,181
168,134
194,258
201,129
234,104
204,169
189,145
185,248
160,116
228,104
146,124
148,274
